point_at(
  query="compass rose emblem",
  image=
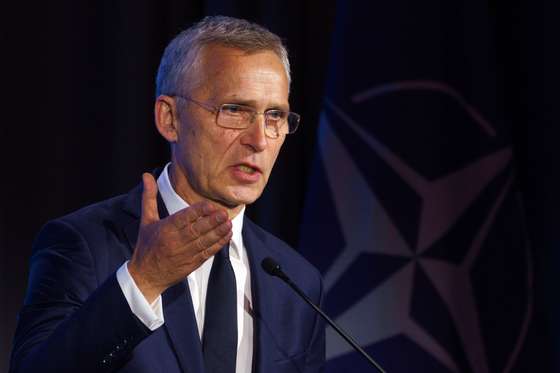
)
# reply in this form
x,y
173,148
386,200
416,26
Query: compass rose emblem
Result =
x,y
423,250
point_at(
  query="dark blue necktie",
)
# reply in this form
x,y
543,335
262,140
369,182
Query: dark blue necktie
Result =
x,y
219,341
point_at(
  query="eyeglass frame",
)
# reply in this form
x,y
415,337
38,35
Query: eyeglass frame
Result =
x,y
218,109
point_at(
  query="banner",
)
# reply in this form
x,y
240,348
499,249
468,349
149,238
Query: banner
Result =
x,y
412,212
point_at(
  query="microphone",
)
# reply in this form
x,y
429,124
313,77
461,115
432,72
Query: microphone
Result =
x,y
273,268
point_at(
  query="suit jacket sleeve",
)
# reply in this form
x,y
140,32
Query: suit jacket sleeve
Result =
x,y
72,320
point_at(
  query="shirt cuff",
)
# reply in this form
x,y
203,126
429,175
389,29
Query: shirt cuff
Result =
x,y
151,315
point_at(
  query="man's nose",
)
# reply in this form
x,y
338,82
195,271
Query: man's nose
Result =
x,y
254,136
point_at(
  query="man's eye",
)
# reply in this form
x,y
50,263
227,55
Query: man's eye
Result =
x,y
232,109
275,114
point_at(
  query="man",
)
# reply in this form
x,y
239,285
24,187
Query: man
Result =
x,y
168,278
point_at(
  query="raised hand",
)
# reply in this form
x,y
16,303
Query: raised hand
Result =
x,y
168,250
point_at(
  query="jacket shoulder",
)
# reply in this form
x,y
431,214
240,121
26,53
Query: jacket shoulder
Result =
x,y
292,262
96,236
99,212
106,215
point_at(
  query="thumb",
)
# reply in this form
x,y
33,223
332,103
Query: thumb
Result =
x,y
149,200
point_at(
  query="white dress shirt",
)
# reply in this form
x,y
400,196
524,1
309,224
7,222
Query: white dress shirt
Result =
x,y
152,314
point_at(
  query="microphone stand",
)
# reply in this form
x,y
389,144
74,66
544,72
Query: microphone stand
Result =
x,y
273,268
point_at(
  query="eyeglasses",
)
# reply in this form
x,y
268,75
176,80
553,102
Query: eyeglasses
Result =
x,y
234,116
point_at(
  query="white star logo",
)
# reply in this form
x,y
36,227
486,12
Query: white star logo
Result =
x,y
367,228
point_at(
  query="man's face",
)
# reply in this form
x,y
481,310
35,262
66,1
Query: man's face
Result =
x,y
228,166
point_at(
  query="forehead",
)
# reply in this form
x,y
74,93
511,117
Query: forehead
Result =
x,y
231,72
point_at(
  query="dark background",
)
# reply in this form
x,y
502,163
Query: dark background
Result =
x,y
77,127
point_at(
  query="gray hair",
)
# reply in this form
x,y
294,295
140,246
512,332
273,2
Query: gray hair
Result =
x,y
183,51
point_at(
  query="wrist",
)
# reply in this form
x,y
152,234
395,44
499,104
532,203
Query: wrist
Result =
x,y
149,291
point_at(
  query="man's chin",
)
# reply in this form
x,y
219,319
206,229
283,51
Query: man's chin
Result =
x,y
241,196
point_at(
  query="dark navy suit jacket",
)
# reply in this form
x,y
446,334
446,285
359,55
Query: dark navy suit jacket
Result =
x,y
76,318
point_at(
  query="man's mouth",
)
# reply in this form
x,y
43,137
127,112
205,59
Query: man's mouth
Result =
x,y
247,169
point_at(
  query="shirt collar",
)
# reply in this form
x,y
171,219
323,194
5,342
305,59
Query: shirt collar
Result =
x,y
174,203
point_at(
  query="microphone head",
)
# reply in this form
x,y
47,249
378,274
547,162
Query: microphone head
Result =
x,y
272,267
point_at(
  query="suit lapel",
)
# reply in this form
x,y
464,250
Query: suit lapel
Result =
x,y
262,286
178,313
181,327
180,321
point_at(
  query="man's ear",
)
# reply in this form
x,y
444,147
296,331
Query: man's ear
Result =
x,y
165,112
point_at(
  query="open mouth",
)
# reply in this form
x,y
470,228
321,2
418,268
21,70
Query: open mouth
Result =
x,y
247,169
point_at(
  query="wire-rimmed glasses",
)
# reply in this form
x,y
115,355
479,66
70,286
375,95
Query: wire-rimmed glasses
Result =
x,y
236,116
